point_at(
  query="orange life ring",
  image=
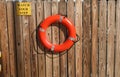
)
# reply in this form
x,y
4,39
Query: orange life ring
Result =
x,y
54,47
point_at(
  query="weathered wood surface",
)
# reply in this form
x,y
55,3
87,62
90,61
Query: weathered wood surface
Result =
x,y
110,39
49,56
19,44
11,37
41,57
79,31
71,51
4,40
87,38
26,45
117,54
102,38
95,55
1,71
33,43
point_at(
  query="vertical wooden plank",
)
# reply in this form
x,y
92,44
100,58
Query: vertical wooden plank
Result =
x,y
11,37
26,46
0,56
110,38
23,46
87,38
1,68
63,57
71,52
4,40
33,42
117,55
55,40
79,31
94,38
102,38
19,44
41,57
49,64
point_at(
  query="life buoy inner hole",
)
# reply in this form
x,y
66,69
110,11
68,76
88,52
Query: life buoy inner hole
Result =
x,y
57,33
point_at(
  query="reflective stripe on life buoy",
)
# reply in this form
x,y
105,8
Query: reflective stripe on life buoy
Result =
x,y
55,47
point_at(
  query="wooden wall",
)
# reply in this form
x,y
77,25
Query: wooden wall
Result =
x,y
97,54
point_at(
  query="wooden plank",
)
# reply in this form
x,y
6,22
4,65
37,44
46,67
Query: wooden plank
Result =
x,y
19,43
4,38
63,57
78,45
0,55
41,57
55,40
94,38
49,61
110,38
71,52
1,71
86,39
33,42
102,38
11,37
26,46
117,55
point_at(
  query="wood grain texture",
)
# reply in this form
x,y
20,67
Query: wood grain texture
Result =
x,y
110,38
55,40
1,71
79,31
33,41
94,55
41,57
4,40
63,57
26,45
11,37
19,45
102,38
117,55
71,51
86,38
49,57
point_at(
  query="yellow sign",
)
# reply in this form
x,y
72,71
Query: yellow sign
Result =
x,y
23,8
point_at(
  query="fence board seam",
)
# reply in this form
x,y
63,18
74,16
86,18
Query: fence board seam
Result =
x,y
11,37
115,38
106,36
71,15
8,38
79,31
117,62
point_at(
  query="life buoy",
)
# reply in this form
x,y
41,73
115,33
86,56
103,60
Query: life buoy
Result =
x,y
56,47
